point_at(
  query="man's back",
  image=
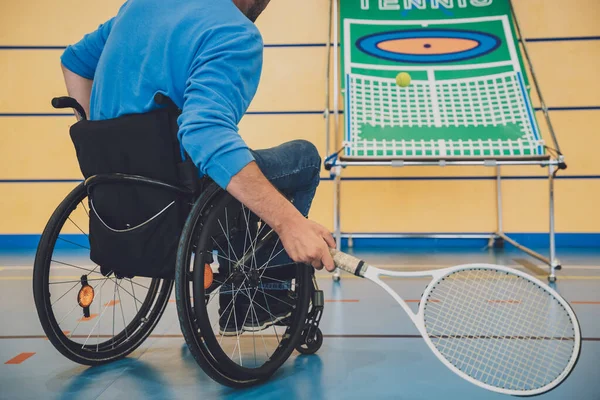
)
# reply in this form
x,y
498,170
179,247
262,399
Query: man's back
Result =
x,y
205,55
151,46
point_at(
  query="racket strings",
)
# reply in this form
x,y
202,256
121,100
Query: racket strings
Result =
x,y
494,346
500,329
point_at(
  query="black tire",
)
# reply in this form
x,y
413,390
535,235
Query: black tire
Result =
x,y
194,302
97,348
312,346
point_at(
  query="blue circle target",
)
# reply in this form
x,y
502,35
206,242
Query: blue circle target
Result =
x,y
428,45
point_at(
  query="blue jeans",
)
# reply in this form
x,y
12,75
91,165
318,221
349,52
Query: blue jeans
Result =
x,y
293,168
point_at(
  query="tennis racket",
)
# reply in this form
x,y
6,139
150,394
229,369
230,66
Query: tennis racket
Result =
x,y
494,326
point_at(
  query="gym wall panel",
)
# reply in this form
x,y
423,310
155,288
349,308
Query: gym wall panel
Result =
x,y
525,206
408,206
59,23
42,23
26,207
579,140
52,23
29,80
40,147
293,79
459,206
404,206
264,131
558,18
567,73
37,148
305,21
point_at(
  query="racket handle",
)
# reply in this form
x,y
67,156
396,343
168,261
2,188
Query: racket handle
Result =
x,y
349,263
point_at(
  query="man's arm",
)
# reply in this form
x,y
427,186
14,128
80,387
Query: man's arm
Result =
x,y
78,88
303,240
223,80
79,62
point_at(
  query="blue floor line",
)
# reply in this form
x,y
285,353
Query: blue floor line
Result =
x,y
564,240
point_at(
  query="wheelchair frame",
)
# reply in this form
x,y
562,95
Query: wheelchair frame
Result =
x,y
308,337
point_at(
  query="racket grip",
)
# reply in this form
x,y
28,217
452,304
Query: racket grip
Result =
x,y
348,263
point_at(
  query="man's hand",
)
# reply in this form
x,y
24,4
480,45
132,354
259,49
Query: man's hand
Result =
x,y
308,242
304,241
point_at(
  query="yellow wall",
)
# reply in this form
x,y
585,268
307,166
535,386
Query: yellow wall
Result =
x,y
33,148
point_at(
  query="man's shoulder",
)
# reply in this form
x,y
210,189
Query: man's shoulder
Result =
x,y
208,13
220,16
182,14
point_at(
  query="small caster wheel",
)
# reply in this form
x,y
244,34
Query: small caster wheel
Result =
x,y
336,276
552,279
311,346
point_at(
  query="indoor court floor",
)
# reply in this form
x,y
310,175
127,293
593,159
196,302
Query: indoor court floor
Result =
x,y
371,349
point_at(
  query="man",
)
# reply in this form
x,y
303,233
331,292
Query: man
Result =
x,y
206,55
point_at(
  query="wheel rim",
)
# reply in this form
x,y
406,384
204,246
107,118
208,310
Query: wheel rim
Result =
x,y
123,311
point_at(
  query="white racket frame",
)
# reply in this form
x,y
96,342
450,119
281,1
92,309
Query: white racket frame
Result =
x,y
373,274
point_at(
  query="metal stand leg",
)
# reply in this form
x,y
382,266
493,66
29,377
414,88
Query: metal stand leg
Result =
x,y
497,240
554,262
336,215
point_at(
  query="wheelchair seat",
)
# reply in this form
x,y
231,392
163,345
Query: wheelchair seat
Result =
x,y
128,162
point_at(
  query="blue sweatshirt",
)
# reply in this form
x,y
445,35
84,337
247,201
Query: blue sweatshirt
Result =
x,y
203,54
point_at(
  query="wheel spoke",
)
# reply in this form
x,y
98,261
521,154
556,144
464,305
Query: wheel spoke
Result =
x,y
268,310
85,209
97,322
278,299
230,246
76,282
113,312
132,295
77,226
122,313
66,293
233,298
91,271
73,243
100,314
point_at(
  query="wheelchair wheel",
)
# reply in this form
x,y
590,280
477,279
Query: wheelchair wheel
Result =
x,y
240,319
90,318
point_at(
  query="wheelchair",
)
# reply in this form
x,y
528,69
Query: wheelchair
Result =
x,y
143,222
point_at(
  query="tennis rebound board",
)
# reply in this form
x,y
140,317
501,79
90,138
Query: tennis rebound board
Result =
x,y
468,96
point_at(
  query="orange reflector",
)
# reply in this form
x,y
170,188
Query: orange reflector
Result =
x,y
85,297
208,276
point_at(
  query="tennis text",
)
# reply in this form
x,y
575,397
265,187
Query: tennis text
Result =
x,y
423,4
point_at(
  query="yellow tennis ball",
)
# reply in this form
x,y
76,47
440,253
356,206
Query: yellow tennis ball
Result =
x,y
403,79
